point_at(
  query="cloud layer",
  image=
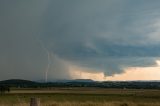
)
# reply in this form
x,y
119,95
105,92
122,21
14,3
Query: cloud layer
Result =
x,y
100,36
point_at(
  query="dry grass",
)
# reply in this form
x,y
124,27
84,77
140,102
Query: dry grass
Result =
x,y
87,104
83,97
99,104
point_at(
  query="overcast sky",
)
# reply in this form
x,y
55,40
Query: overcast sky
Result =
x,y
53,39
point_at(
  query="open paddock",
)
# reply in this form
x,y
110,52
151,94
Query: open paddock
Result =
x,y
82,97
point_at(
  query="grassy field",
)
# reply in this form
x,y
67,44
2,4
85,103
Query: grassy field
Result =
x,y
82,97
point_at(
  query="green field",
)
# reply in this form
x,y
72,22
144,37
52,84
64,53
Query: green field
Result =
x,y
82,97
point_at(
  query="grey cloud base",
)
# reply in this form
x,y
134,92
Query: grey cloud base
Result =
x,y
101,35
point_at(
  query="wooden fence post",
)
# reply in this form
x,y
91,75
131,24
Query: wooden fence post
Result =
x,y
35,102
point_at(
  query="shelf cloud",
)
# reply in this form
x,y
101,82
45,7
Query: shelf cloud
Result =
x,y
45,40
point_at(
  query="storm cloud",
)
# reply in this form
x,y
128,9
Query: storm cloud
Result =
x,y
103,35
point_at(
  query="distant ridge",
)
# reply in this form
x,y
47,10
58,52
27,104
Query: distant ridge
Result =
x,y
12,81
83,80
20,83
74,80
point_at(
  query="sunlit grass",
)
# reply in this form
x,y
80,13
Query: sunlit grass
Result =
x,y
95,97
87,104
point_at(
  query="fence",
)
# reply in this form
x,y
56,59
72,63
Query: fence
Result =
x,y
35,102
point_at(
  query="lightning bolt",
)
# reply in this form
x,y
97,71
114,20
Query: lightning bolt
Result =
x,y
48,58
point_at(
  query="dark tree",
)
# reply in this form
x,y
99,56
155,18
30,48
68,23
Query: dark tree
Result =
x,y
4,89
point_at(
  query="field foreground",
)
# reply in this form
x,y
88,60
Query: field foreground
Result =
x,y
82,97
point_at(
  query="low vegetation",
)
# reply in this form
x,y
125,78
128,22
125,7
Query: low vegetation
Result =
x,y
18,83
80,93
82,96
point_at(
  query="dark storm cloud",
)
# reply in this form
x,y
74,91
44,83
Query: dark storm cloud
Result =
x,y
103,35
21,56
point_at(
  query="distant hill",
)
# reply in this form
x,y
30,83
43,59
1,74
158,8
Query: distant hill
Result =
x,y
18,83
82,80
74,80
